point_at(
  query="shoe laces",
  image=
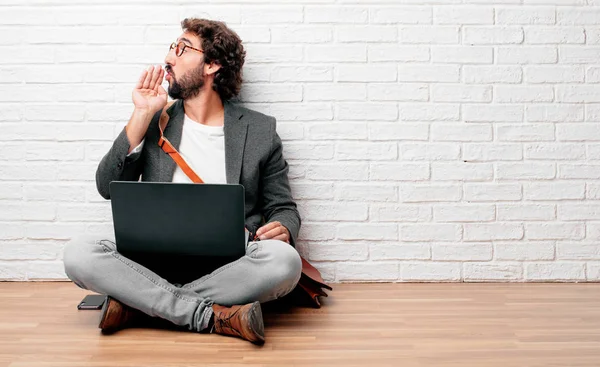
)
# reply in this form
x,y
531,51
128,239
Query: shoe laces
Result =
x,y
225,322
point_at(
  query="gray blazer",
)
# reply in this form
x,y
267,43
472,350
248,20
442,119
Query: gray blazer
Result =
x,y
253,158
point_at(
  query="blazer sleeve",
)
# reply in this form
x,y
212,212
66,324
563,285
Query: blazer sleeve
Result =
x,y
278,204
117,165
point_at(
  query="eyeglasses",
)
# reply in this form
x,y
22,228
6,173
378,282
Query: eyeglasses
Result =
x,y
180,48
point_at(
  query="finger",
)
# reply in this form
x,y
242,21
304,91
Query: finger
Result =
x,y
267,227
273,233
155,75
148,78
161,75
161,91
140,82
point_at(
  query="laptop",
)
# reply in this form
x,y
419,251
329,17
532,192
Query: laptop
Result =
x,y
170,220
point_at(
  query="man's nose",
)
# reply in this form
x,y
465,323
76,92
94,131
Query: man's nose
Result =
x,y
170,58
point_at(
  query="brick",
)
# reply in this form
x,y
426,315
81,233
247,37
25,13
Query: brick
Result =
x,y
462,171
526,15
31,250
271,93
400,15
461,132
316,232
527,132
393,53
492,231
463,15
399,171
366,73
578,251
370,33
579,171
577,16
429,152
338,171
577,93
524,251
464,213
492,113
367,111
579,55
41,270
300,34
367,231
525,171
259,53
554,113
527,55
373,271
521,94
326,211
578,211
337,53
399,213
311,190
429,112
271,14
335,92
365,151
11,190
434,35
481,192
402,251
492,152
335,14
430,232
398,131
553,191
338,252
525,212
415,193
430,271
462,54
337,130
492,35
461,252
554,231
398,92
492,271
555,271
475,74
550,151
428,73
303,150
555,35
301,112
301,74
578,132
365,192
461,93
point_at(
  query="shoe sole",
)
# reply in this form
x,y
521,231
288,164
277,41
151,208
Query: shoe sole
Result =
x,y
256,323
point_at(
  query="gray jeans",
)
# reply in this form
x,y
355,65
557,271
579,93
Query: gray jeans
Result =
x,y
269,270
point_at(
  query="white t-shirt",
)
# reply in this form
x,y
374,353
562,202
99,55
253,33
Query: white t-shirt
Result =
x,y
203,148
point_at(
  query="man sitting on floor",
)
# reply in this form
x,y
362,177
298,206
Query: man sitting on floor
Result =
x,y
223,143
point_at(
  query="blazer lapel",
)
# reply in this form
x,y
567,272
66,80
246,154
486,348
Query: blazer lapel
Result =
x,y
235,129
172,132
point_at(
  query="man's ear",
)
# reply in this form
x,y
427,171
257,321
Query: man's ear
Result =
x,y
211,68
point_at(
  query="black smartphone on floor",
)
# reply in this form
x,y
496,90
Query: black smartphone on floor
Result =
x,y
92,302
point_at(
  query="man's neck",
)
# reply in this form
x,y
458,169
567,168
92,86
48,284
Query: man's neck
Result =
x,y
205,108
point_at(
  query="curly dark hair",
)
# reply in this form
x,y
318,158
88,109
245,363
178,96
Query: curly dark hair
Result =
x,y
224,47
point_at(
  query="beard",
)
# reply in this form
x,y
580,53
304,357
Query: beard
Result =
x,y
189,86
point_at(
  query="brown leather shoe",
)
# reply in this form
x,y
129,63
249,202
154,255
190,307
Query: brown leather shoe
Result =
x,y
117,316
244,321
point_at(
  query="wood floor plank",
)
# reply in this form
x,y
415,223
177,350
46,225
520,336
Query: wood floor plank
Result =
x,y
431,324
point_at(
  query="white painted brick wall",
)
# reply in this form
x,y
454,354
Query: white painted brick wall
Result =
x,y
428,140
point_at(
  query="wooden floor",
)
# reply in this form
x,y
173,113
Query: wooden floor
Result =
x,y
363,325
